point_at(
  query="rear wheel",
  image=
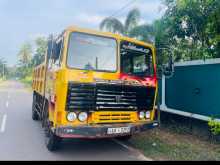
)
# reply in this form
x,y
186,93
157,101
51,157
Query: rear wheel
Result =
x,y
124,138
35,116
51,140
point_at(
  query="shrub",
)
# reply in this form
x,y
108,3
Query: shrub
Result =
x,y
27,80
215,126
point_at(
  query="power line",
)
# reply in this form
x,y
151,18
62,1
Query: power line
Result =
x,y
123,8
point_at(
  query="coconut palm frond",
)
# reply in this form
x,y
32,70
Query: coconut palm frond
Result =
x,y
144,32
132,19
112,25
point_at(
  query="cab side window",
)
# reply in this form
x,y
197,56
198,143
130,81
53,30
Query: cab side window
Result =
x,y
55,50
58,53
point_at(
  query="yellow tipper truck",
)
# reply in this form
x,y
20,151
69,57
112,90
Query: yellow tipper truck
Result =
x,y
95,85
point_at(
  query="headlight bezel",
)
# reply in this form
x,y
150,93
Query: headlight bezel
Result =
x,y
74,115
147,115
85,116
142,115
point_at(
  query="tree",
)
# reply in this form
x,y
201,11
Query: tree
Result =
x,y
213,30
25,55
130,27
41,48
25,59
116,26
143,32
186,28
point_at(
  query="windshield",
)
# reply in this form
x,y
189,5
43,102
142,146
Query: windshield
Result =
x,y
90,52
136,60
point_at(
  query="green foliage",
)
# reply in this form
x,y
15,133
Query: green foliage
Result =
x,y
28,60
143,32
25,55
132,20
27,80
189,28
215,126
112,25
39,56
130,27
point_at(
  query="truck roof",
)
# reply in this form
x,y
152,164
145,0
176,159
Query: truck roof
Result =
x,y
107,34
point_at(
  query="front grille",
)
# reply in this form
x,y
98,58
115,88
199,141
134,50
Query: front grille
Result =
x,y
101,97
81,97
114,117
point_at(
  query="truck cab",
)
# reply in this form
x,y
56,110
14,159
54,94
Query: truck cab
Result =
x,y
95,85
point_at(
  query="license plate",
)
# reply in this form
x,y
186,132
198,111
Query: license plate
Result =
x,y
123,130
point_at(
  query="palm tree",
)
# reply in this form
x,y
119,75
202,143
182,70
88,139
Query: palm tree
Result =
x,y
116,26
24,55
143,32
130,27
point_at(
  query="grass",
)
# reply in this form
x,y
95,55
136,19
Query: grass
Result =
x,y
27,81
1,80
161,144
167,143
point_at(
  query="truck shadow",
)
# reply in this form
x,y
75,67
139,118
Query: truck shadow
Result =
x,y
99,149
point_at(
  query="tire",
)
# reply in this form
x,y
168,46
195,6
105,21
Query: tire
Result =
x,y
124,138
35,116
52,141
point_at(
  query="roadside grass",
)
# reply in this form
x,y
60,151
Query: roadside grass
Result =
x,y
1,80
171,143
27,81
161,145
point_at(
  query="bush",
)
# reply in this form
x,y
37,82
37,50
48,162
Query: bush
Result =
x,y
1,79
215,126
27,80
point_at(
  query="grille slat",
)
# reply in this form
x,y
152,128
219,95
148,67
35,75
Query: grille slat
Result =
x,y
113,100
115,92
113,95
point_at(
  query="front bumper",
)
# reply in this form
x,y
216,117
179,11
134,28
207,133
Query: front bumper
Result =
x,y
100,131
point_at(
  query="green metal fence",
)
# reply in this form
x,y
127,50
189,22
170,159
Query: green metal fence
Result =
x,y
194,90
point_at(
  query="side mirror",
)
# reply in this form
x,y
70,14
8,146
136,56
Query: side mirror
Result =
x,y
165,62
168,69
56,51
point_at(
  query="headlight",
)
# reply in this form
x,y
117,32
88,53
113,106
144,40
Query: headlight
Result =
x,y
141,115
147,115
83,116
71,116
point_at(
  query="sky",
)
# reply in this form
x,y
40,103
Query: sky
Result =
x,y
25,20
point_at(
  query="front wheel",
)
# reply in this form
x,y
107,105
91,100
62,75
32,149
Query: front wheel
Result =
x,y
51,140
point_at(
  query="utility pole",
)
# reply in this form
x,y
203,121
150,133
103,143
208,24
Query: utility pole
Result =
x,y
96,63
3,71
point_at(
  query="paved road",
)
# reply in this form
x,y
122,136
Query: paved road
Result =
x,y
23,139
